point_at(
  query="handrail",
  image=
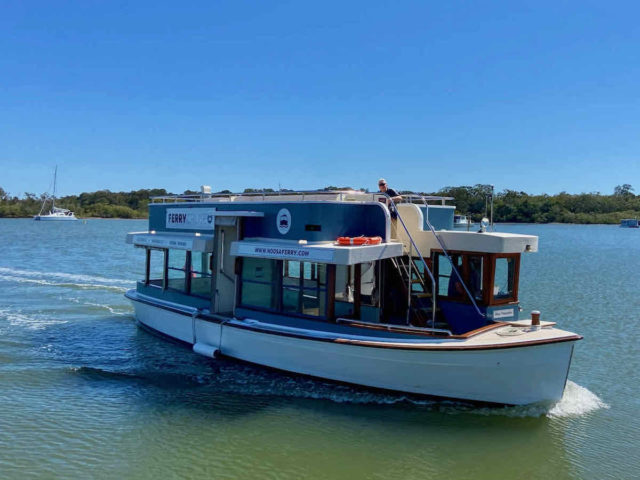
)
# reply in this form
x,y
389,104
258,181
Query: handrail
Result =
x,y
453,267
426,267
263,195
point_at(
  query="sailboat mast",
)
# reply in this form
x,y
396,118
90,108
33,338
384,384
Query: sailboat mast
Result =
x,y
55,177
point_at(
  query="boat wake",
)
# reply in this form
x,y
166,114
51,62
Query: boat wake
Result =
x,y
101,307
234,378
575,401
30,322
64,280
63,276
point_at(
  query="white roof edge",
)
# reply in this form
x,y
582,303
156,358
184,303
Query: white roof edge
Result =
x,y
322,253
489,242
174,240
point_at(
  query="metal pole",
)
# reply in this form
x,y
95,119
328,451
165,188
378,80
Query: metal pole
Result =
x,y
409,285
492,229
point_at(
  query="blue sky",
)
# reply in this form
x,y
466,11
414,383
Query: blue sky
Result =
x,y
535,96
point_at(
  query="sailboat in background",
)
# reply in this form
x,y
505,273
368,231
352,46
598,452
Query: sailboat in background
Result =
x,y
54,213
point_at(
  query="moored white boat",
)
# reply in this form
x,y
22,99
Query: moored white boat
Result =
x,y
462,221
54,213
341,314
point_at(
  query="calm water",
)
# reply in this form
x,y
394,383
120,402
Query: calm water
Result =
x,y
84,393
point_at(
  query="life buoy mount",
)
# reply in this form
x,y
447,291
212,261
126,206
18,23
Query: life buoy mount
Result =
x,y
362,240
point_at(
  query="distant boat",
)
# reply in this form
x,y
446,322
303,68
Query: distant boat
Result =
x,y
630,223
461,221
54,213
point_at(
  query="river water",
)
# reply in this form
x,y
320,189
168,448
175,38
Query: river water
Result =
x,y
85,393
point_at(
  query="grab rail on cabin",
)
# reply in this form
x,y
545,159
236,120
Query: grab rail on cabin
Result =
x,y
426,267
453,267
304,196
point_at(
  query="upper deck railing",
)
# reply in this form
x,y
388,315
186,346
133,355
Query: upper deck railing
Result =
x,y
299,196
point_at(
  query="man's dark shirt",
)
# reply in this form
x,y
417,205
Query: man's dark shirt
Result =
x,y
392,193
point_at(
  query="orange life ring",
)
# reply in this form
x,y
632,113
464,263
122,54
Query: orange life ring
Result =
x,y
359,240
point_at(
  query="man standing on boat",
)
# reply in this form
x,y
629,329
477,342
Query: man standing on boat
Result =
x,y
391,194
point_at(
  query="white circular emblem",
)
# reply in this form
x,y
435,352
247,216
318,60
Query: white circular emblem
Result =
x,y
283,221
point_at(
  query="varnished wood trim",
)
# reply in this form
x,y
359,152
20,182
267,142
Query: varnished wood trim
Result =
x,y
399,345
494,346
370,343
477,331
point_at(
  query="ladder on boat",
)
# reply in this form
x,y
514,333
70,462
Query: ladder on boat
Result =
x,y
420,303
407,267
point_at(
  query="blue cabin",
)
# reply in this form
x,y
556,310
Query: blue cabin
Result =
x,y
275,258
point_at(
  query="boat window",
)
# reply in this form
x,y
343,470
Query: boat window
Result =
x,y
475,275
344,283
259,287
504,278
368,290
176,268
304,287
201,274
448,282
155,268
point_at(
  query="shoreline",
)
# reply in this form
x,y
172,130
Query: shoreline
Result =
x,y
472,229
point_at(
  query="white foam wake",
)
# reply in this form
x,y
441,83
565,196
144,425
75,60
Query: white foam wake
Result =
x,y
576,401
73,277
83,286
30,322
108,308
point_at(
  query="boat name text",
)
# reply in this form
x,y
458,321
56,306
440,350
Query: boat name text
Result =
x,y
190,218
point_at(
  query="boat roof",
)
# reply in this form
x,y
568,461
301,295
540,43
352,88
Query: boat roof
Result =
x,y
294,196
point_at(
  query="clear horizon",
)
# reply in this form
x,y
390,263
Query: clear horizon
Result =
x,y
538,97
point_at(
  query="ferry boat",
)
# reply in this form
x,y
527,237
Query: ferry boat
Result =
x,y
327,284
54,213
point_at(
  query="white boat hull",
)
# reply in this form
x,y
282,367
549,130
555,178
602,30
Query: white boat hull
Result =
x,y
515,375
56,218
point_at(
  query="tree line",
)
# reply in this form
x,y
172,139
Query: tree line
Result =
x,y
508,205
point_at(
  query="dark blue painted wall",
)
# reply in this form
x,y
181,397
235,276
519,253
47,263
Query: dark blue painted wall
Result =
x,y
335,219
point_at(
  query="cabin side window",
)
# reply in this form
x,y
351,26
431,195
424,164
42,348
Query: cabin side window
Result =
x,y
504,278
344,284
475,274
201,274
155,268
259,281
304,288
287,286
177,265
448,282
492,279
356,291
180,270
368,284
472,269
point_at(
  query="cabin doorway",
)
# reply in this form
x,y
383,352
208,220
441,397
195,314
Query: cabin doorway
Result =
x,y
225,287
